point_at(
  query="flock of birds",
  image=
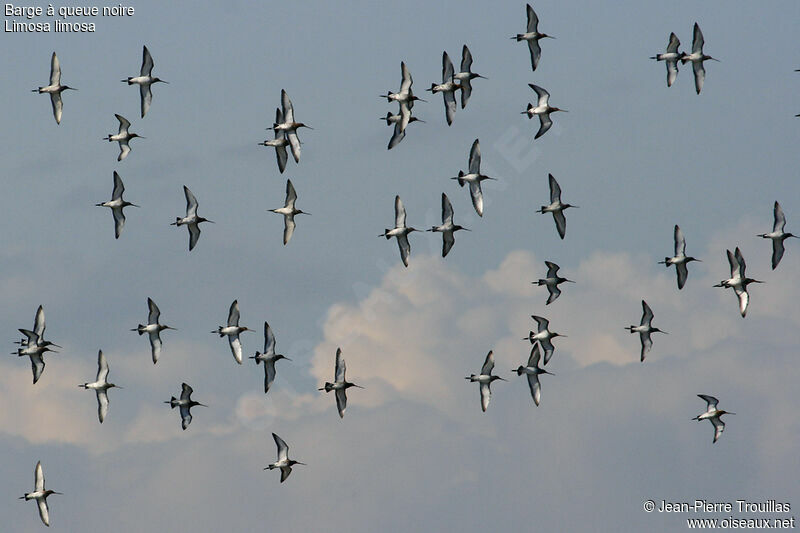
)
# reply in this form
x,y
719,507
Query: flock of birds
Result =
x,y
285,129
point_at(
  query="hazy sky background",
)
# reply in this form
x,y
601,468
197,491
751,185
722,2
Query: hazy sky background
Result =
x,y
414,452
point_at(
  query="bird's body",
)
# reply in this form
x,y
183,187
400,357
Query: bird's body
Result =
x,y
40,494
532,36
34,346
713,414
532,371
192,220
289,211
738,280
153,329
405,94
283,463
401,120
680,259
123,137
269,357
485,379
552,281
644,329
465,76
101,385
777,235
400,230
232,330
54,88
448,228
474,177
185,404
280,142
544,336
289,125
556,207
671,58
542,109
340,384
117,204
145,80
697,57
448,88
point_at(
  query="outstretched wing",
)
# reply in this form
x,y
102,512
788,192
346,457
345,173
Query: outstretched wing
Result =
x,y
683,273
288,228
119,221
486,394
44,512
697,41
399,213
147,62
233,314
680,241
711,402
554,291
647,314
291,195
58,106
236,347
779,218
186,416
719,427
341,401
561,222
191,202
535,387
536,52
102,367
37,365
488,364
186,392
38,323
545,122
153,313
555,189
406,83
475,158
283,448
541,322
533,20
447,210
38,475
699,75
194,235
466,91
145,98
102,404
286,104
674,43
340,368
477,196
647,343
55,70
533,359
294,143
543,95
466,59
124,124
450,106
447,68
448,240
155,346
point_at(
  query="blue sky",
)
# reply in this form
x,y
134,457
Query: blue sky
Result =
x,y
413,451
